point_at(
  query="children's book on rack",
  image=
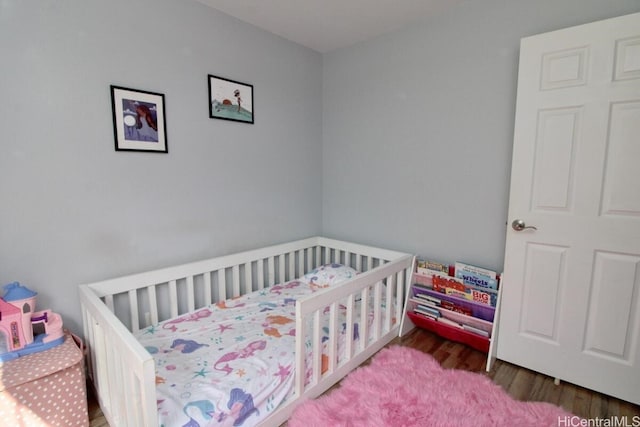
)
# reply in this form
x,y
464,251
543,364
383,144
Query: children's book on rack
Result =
x,y
452,318
456,301
433,299
458,288
476,276
429,268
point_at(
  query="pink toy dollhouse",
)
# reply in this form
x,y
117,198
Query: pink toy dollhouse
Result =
x,y
22,329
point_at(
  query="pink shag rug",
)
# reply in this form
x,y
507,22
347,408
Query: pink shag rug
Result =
x,y
405,387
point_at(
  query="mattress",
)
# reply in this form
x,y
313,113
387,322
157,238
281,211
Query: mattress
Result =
x,y
232,363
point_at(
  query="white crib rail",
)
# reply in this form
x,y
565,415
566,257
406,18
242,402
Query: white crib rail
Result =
x,y
396,275
123,371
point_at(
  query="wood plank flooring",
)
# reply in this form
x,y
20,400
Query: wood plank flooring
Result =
x,y
96,417
520,383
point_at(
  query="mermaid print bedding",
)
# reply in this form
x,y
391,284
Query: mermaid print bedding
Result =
x,y
231,363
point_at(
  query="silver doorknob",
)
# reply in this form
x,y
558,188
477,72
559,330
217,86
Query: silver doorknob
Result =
x,y
519,225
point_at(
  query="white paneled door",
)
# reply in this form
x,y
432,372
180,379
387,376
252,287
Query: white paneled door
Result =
x,y
571,286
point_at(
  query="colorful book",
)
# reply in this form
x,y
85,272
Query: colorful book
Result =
x,y
477,280
440,284
474,269
430,273
463,306
427,309
429,298
425,314
456,308
476,276
475,295
457,288
429,268
424,302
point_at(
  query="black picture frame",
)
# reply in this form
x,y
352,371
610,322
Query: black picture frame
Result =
x,y
139,120
230,100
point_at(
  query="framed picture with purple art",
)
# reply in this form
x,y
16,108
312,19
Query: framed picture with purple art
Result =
x,y
230,100
138,120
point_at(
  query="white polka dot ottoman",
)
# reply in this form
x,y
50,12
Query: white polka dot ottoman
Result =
x,y
45,389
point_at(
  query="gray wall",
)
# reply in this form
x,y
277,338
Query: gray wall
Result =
x,y
74,210
418,127
403,141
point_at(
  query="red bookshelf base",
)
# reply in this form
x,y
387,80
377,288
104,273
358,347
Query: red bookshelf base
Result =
x,y
452,333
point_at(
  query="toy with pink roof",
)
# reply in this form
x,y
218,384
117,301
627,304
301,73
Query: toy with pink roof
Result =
x,y
22,329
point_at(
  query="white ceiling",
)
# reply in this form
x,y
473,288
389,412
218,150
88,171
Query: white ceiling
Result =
x,y
325,25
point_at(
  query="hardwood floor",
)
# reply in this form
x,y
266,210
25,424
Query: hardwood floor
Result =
x,y
520,383
96,417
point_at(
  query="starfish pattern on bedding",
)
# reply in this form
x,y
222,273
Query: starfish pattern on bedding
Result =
x,y
223,328
201,373
283,372
150,330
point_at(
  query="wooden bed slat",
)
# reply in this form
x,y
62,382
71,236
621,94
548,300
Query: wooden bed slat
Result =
x,y
191,299
318,251
173,298
222,284
282,277
388,298
301,329
333,337
206,277
377,315
153,304
292,266
349,321
260,274
316,339
364,324
133,309
248,278
271,272
235,277
301,271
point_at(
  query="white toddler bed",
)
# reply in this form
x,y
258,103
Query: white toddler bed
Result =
x,y
336,328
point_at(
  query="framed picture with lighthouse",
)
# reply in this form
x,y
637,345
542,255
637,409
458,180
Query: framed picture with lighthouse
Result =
x,y
230,100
